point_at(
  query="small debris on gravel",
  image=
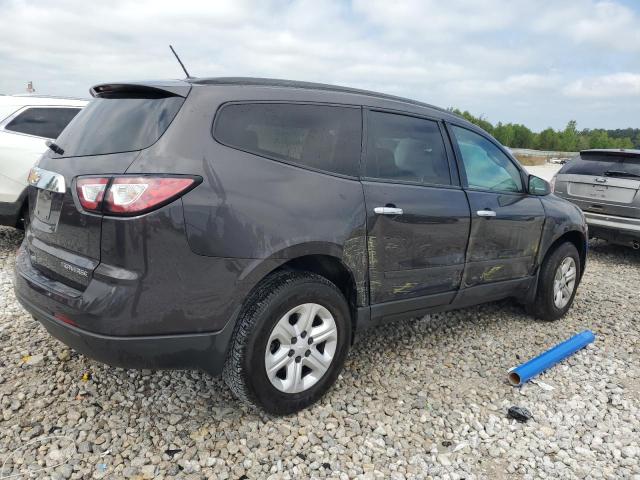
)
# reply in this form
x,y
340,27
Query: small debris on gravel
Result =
x,y
422,398
520,414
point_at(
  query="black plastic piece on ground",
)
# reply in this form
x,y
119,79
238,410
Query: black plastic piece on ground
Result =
x,y
520,414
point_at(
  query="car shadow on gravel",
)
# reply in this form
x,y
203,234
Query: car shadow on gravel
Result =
x,y
618,253
438,331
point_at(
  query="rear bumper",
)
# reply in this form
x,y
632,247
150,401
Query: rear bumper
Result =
x,y
57,308
611,227
204,351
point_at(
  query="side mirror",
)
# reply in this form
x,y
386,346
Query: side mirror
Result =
x,y
538,186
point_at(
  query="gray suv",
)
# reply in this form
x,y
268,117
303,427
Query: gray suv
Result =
x,y
254,228
605,184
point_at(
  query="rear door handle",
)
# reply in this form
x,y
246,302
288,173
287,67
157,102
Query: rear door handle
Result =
x,y
388,211
486,213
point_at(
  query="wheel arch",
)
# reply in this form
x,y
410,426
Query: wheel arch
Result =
x,y
327,264
333,269
578,239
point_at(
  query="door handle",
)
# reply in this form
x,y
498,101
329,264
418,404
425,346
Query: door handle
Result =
x,y
388,211
486,213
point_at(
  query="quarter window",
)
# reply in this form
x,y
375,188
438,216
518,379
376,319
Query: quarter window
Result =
x,y
486,166
403,148
42,122
318,136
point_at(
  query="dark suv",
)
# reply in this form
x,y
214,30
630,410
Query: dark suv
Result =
x,y
253,227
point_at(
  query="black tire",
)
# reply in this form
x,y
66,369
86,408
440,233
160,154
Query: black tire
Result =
x,y
244,370
543,307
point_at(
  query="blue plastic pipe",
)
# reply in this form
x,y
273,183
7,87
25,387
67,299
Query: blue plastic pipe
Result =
x,y
525,372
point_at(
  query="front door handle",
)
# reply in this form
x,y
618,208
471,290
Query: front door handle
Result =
x,y
486,213
388,211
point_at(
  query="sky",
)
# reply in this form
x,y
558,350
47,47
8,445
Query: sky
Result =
x,y
536,62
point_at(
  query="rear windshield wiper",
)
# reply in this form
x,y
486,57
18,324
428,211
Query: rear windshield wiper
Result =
x,y
620,173
56,148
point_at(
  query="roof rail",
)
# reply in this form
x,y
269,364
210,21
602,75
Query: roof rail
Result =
x,y
275,82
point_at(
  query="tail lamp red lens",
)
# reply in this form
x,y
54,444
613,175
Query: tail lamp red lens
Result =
x,y
91,192
130,195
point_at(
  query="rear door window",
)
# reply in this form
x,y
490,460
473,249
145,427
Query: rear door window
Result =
x,y
317,136
404,148
119,123
45,122
603,165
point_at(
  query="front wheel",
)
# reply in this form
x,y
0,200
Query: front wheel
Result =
x,y
557,283
290,342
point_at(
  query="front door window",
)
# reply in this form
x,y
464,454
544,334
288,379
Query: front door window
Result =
x,y
486,166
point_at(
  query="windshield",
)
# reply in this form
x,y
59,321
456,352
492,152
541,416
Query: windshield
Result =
x,y
603,166
118,124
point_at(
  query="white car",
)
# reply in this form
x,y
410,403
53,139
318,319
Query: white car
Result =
x,y
26,123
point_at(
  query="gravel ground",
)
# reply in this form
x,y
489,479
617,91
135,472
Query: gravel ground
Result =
x,y
418,399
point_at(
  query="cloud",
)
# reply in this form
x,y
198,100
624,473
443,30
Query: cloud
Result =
x,y
523,84
506,59
622,84
604,24
442,20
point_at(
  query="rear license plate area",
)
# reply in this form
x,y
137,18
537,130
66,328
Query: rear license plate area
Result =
x,y
43,205
599,192
47,209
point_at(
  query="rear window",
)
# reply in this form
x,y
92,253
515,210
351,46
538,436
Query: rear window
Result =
x,y
317,136
406,149
118,124
45,122
603,165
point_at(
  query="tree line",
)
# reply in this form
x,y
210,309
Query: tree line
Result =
x,y
570,139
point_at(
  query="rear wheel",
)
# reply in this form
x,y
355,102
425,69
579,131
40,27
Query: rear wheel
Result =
x,y
557,283
290,342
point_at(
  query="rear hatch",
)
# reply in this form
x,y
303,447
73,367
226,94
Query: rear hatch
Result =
x,y
603,181
103,139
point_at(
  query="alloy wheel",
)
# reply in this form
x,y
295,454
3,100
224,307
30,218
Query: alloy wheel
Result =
x,y
564,282
301,348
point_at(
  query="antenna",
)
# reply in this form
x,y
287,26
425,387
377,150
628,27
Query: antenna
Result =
x,y
180,62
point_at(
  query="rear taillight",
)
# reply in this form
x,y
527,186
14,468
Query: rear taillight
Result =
x,y
130,195
91,192
552,183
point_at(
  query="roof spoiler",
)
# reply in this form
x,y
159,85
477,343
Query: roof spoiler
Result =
x,y
142,90
611,153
